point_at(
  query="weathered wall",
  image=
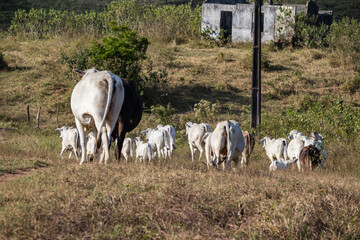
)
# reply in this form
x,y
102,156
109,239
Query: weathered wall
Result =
x,y
242,20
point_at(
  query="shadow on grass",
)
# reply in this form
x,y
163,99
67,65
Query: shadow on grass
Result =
x,y
183,98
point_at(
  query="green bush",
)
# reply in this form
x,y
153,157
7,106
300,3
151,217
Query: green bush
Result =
x,y
120,52
206,111
163,113
333,118
78,60
344,41
166,22
307,33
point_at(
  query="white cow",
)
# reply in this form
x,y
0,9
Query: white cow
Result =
x,y
69,140
143,150
299,141
96,101
281,165
128,148
195,134
172,136
276,149
91,146
224,144
159,140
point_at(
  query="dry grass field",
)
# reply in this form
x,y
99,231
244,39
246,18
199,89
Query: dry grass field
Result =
x,y
44,197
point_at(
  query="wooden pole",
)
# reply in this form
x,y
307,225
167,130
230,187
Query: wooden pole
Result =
x,y
28,112
256,76
38,118
57,116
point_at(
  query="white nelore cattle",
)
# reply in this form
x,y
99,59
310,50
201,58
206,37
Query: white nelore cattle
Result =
x,y
96,101
224,144
281,164
172,136
128,148
196,134
299,141
69,140
91,146
249,146
276,149
143,150
159,140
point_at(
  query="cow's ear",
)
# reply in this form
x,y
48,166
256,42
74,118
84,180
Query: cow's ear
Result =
x,y
82,73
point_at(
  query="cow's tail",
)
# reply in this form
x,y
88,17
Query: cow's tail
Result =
x,y
285,149
111,85
228,145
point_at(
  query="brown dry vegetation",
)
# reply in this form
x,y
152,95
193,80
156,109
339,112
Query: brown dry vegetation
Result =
x,y
177,199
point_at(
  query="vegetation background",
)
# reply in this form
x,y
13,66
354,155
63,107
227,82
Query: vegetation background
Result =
x,y
309,87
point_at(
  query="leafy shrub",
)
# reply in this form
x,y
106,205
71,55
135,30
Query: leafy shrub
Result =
x,y
167,22
205,110
152,84
163,113
215,37
120,52
79,59
333,118
3,64
344,41
307,33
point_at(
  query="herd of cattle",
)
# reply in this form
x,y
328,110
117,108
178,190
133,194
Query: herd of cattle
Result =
x,y
111,105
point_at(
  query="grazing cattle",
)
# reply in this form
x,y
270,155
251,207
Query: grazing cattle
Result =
x,y
96,101
309,157
249,146
172,136
159,141
130,115
91,145
281,165
69,140
299,141
276,149
143,150
224,144
195,134
128,149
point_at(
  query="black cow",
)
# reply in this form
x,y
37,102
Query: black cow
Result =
x,y
130,115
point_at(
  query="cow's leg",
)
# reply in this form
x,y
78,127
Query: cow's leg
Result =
x,y
70,155
61,153
80,128
105,145
192,151
201,150
121,136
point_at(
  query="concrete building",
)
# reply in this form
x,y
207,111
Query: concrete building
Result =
x,y
236,18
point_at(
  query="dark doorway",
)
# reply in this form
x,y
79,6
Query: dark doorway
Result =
x,y
226,23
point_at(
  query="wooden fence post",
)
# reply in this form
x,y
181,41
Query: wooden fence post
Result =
x,y
57,116
28,112
38,118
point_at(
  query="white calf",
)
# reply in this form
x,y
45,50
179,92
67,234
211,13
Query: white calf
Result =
x,y
172,136
128,148
275,148
143,150
281,165
91,146
195,134
159,140
69,140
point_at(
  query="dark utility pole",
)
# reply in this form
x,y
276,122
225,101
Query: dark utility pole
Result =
x,y
256,76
